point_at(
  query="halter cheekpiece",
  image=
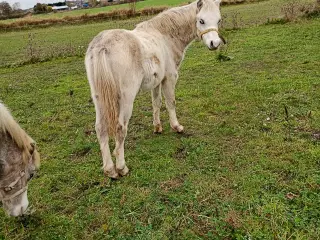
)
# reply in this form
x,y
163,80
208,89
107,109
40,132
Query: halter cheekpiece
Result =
x,y
11,186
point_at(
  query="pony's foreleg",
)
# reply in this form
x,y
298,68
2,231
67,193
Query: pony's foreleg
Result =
x,y
168,86
156,103
102,134
126,106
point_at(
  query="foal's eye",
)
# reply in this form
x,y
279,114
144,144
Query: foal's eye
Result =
x,y
201,21
30,176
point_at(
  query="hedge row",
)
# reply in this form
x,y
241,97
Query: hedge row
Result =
x,y
115,14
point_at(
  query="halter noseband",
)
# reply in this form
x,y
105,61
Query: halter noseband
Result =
x,y
11,186
200,34
207,31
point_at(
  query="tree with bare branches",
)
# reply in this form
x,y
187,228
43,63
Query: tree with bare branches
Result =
x,y
5,9
16,6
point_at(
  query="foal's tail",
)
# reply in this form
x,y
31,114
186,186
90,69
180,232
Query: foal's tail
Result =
x,y
107,91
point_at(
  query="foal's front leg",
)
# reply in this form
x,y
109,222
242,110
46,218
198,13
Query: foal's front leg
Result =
x,y
168,86
156,103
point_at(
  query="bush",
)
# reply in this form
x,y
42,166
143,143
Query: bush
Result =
x,y
294,10
41,8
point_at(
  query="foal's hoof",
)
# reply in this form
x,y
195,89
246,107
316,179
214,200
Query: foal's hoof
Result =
x,y
157,129
124,171
178,128
111,174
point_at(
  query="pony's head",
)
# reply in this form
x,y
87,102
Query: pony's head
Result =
x,y
19,160
15,176
208,19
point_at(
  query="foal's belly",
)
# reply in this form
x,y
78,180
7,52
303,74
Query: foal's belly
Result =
x,y
153,73
150,82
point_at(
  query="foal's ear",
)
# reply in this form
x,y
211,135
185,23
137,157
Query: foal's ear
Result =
x,y
199,4
35,155
33,146
217,2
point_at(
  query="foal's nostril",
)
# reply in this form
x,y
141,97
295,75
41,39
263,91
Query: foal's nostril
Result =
x,y
212,46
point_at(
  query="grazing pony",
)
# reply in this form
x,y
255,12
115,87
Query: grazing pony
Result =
x,y
120,62
18,161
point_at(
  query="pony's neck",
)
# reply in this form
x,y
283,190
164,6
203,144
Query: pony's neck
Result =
x,y
178,26
182,27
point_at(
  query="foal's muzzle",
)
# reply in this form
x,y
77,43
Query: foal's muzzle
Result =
x,y
212,46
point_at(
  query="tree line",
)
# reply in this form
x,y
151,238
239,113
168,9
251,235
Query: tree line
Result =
x,y
6,9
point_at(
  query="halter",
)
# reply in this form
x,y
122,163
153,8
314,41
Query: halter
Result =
x,y
200,34
11,186
207,31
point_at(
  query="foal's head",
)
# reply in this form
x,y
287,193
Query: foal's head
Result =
x,y
208,19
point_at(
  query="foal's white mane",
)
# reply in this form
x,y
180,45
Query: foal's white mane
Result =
x,y
19,136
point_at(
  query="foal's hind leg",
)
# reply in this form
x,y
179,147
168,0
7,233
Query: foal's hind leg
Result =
x,y
156,103
168,86
126,106
102,134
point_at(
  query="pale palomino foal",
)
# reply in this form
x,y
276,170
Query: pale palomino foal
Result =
x,y
120,62
18,161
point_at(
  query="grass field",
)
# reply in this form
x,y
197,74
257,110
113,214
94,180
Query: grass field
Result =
x,y
55,40
243,169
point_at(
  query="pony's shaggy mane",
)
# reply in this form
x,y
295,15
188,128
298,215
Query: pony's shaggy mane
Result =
x,y
170,21
19,136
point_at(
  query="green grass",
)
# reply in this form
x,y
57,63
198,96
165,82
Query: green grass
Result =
x,y
227,177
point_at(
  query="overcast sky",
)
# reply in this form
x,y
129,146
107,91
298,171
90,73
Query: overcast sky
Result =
x,y
25,4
